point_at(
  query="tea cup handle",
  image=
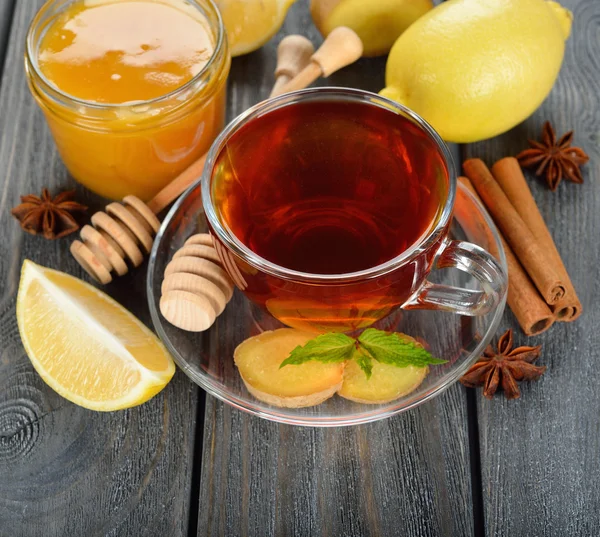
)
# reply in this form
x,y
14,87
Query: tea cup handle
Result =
x,y
476,262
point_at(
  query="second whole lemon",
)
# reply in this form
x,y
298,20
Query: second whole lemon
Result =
x,y
476,68
251,23
378,23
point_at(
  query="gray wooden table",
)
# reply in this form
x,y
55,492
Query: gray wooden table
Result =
x,y
186,464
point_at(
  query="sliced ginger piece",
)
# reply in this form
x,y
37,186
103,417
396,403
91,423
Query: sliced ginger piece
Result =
x,y
293,386
387,382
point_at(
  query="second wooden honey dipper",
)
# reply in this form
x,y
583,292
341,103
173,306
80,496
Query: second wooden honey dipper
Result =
x,y
293,54
195,289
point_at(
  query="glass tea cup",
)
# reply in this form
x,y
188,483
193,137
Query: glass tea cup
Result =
x,y
330,208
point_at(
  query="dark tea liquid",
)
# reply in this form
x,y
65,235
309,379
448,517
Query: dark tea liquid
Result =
x,y
329,187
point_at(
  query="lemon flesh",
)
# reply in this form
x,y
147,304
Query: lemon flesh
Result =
x,y
86,346
475,69
251,23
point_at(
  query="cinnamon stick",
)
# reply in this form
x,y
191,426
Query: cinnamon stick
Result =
x,y
523,298
517,234
509,175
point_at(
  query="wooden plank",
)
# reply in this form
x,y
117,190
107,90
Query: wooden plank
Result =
x,y
408,475
66,471
6,13
539,454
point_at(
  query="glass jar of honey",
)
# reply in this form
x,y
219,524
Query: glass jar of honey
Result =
x,y
133,90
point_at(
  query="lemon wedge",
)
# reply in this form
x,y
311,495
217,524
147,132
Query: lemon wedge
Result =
x,y
86,346
251,23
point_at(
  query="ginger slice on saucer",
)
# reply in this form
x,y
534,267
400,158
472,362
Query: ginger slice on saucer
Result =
x,y
258,359
386,384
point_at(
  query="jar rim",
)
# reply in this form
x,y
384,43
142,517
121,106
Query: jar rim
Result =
x,y
31,59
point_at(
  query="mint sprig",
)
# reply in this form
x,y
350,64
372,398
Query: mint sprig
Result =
x,y
333,347
390,348
386,347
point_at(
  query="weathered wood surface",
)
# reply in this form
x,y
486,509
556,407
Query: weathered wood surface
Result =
x,y
66,471
6,11
408,475
540,455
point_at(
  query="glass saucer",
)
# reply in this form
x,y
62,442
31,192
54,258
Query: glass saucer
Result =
x,y
207,357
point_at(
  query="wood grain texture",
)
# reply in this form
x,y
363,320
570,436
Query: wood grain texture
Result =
x,y
404,476
66,471
539,454
6,12
408,475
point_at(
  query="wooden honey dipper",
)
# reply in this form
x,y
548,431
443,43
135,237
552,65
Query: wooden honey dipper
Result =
x,y
195,289
293,54
340,48
125,232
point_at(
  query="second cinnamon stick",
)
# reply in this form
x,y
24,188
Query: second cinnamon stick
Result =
x,y
517,234
507,172
523,298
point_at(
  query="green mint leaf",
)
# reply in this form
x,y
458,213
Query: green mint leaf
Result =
x,y
331,347
391,348
364,361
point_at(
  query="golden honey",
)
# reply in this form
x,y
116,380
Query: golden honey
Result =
x,y
133,90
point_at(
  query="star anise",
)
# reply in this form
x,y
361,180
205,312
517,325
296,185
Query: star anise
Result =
x,y
555,159
50,216
504,367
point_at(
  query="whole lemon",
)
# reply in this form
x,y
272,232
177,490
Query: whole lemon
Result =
x,y
377,22
251,23
476,68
